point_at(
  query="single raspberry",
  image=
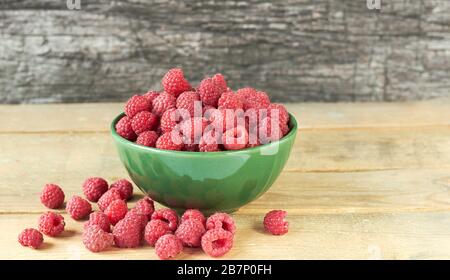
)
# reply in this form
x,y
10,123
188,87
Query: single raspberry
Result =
x,y
235,138
209,92
244,93
257,100
147,138
51,223
170,141
268,132
229,100
124,187
124,129
116,211
31,237
145,206
188,100
168,246
162,103
99,219
135,215
275,223
217,242
174,82
167,215
96,239
127,233
275,108
222,221
193,214
144,121
151,95
220,82
190,232
154,230
52,196
171,118
208,143
136,104
108,197
78,208
192,129
94,188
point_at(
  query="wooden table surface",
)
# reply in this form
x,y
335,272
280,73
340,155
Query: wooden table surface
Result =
x,y
364,181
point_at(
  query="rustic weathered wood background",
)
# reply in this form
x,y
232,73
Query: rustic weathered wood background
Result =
x,y
297,50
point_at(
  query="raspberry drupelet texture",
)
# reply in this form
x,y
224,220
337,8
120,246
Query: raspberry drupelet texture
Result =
x,y
99,219
221,221
154,230
193,214
170,119
220,82
124,187
116,211
135,215
94,188
151,95
136,104
168,246
52,196
167,215
235,138
275,108
162,103
147,138
31,237
192,129
51,223
170,141
145,206
127,233
275,223
190,232
187,101
174,82
144,121
229,100
124,129
209,92
78,208
96,239
108,197
217,242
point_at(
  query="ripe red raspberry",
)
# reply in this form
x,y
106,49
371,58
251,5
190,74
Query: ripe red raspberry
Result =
x,y
162,103
124,129
167,215
78,208
190,232
51,223
151,95
94,188
209,92
145,206
154,230
108,197
193,214
258,100
127,233
192,129
144,121
217,242
275,223
116,211
136,104
222,221
171,118
52,196
268,132
244,93
96,239
135,215
31,237
174,82
147,138
168,246
229,100
170,141
235,138
224,119
283,115
124,187
284,129
208,143
188,100
99,219
220,82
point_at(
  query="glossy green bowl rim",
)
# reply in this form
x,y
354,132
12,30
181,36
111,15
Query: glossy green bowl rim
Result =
x,y
292,132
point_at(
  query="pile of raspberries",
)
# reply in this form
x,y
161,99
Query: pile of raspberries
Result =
x,y
209,118
116,225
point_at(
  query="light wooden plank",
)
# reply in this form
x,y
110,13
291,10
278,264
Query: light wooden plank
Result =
x,y
343,236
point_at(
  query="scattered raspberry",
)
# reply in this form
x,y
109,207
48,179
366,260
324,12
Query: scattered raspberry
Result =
x,y
209,92
229,100
170,141
136,104
217,242
190,232
168,246
220,82
108,197
167,215
154,230
235,138
162,103
124,129
275,223
147,138
193,214
52,196
124,187
145,206
31,237
78,208
135,215
96,239
94,188
116,211
283,115
99,219
127,233
221,221
51,223
144,121
188,100
151,95
174,82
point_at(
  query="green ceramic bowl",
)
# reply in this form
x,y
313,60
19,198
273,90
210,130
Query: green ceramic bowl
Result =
x,y
217,181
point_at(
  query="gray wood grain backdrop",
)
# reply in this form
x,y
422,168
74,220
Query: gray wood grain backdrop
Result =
x,y
296,50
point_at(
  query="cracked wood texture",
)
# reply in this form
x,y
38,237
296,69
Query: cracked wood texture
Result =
x,y
296,50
